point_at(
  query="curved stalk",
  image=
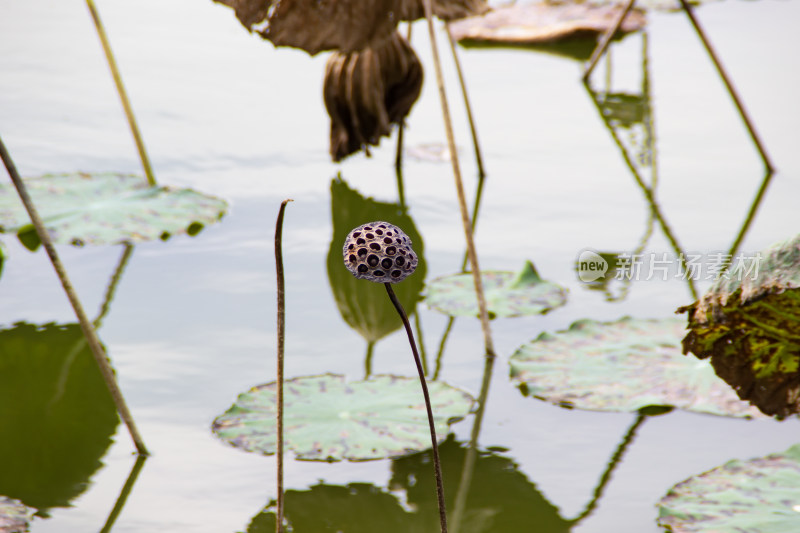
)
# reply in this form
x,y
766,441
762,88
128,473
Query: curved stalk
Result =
x,y
437,466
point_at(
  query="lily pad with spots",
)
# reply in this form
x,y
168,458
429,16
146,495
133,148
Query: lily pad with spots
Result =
x,y
747,324
508,294
328,418
756,496
14,516
106,208
622,366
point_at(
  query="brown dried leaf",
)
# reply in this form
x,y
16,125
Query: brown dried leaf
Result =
x,y
346,26
527,24
368,91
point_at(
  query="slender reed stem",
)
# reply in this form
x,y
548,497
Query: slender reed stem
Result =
x,y
473,130
86,325
123,96
368,359
281,341
462,202
437,466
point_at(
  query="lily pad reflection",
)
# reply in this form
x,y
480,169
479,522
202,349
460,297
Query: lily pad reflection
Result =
x,y
500,498
508,294
364,306
622,366
330,419
57,418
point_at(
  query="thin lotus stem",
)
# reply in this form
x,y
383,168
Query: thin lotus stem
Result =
x,y
281,341
398,158
473,130
729,86
88,329
422,353
442,343
124,493
462,202
123,96
368,359
606,40
437,466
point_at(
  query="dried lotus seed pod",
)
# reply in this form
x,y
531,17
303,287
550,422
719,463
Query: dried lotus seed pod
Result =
x,y
379,252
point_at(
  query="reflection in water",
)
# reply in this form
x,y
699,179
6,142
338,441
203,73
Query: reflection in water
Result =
x,y
630,116
364,306
57,417
501,499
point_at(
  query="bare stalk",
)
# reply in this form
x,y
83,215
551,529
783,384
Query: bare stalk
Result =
x,y
123,96
86,325
462,202
281,341
437,466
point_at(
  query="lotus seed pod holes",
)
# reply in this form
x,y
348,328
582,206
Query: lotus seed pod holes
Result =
x,y
380,252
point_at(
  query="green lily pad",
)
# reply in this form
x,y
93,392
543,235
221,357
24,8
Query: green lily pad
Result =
x,y
330,419
747,324
107,208
622,366
14,516
363,305
755,496
57,417
508,294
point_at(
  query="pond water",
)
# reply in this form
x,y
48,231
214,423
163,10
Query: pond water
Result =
x,y
192,321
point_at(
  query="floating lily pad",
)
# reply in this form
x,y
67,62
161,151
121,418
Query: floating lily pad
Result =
x,y
330,419
14,516
106,208
540,23
755,496
747,324
508,294
622,366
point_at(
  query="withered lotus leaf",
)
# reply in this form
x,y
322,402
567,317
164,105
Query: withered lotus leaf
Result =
x,y
343,25
368,91
748,324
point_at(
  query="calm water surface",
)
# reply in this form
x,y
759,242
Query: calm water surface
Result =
x,y
192,323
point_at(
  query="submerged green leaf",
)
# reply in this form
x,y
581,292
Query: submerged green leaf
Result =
x,y
330,419
106,208
748,323
508,294
14,516
621,366
756,496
